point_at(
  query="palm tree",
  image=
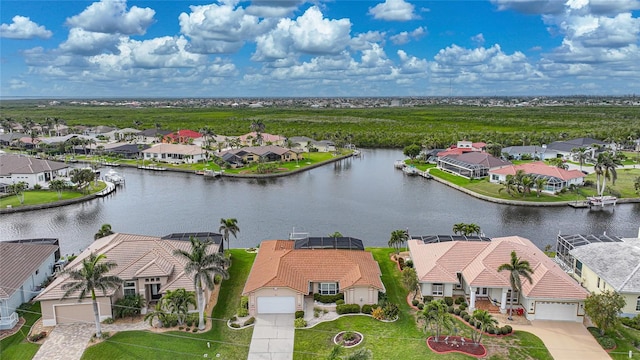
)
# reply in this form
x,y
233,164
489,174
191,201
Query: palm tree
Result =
x,y
435,314
229,226
581,154
203,265
607,164
486,321
472,229
58,186
158,312
105,230
636,184
508,185
178,301
540,183
458,228
91,275
398,237
517,268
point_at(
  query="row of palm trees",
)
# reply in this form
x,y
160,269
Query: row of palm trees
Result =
x,y
521,183
200,263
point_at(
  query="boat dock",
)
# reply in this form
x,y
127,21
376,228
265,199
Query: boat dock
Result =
x,y
210,173
411,170
601,201
111,187
579,204
151,167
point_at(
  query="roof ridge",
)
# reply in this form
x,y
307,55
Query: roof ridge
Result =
x,y
631,274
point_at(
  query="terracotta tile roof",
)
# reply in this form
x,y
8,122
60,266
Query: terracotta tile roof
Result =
x,y
540,168
478,262
265,137
18,262
175,149
278,264
137,256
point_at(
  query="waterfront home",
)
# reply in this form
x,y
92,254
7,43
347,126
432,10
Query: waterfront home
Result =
x,y
16,168
533,152
288,272
250,139
126,134
565,149
259,153
308,144
610,265
146,264
556,178
182,137
175,153
10,139
125,150
25,266
150,136
470,164
98,130
470,269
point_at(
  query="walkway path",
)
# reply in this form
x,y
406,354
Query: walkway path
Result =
x,y
68,341
272,337
566,340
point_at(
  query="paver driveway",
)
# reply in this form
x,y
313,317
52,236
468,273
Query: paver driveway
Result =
x,y
272,337
566,340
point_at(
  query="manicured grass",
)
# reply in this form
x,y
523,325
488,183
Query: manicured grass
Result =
x,y
403,339
420,165
16,346
624,337
37,197
230,344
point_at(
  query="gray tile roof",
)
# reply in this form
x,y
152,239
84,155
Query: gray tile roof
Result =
x,y
19,261
618,263
20,164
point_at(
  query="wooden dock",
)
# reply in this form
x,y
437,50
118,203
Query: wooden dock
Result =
x,y
579,204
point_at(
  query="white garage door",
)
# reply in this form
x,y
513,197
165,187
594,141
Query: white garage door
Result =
x,y
546,310
276,305
76,313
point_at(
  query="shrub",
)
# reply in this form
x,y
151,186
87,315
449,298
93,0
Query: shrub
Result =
x,y
477,324
420,306
459,300
189,322
504,330
457,311
401,262
339,302
187,329
450,309
299,314
233,325
463,313
382,298
427,299
466,317
328,299
299,323
316,312
129,305
415,302
491,330
217,279
233,318
378,313
366,309
509,329
194,330
391,310
180,327
462,307
242,312
607,343
37,337
448,300
464,303
348,309
348,336
107,321
250,321
409,263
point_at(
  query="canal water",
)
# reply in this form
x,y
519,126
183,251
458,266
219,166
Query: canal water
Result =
x,y
361,197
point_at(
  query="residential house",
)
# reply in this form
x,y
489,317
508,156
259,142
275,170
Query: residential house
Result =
x,y
175,153
260,153
25,266
614,266
125,150
10,139
470,269
470,164
126,134
151,136
565,149
98,130
533,152
556,178
182,137
146,264
286,272
250,139
17,168
300,142
308,144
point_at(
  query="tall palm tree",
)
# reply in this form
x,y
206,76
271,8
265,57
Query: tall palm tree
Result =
x,y
607,164
486,321
540,183
178,301
203,265
398,237
435,314
581,154
229,226
517,268
92,275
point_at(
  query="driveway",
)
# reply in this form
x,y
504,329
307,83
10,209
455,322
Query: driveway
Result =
x,y
566,340
272,337
65,342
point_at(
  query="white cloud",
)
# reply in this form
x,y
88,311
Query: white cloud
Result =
x,y
393,10
23,28
411,64
17,84
273,8
88,43
405,36
478,39
221,28
310,33
603,7
364,40
112,17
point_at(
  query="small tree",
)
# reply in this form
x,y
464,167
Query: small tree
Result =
x,y
398,237
336,234
436,315
410,280
412,151
58,186
18,189
178,302
604,308
486,320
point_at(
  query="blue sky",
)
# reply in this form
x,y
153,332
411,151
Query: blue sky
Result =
x,y
274,48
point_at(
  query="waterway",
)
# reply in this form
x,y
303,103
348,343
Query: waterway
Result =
x,y
361,197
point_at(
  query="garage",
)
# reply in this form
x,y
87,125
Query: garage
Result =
x,y
276,305
559,311
67,314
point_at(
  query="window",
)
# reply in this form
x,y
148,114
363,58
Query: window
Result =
x,y
578,269
638,304
598,285
328,288
129,288
515,296
437,290
481,291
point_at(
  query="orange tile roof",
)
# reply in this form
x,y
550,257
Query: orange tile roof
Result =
x,y
478,262
278,264
540,168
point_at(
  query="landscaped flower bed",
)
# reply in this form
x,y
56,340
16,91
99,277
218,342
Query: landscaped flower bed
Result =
x,y
456,344
348,339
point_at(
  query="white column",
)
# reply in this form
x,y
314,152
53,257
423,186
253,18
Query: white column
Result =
x,y
472,303
503,301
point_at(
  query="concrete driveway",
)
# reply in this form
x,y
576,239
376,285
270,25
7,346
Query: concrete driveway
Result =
x,y
272,337
566,340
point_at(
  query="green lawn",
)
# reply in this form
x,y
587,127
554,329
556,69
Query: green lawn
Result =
x,y
624,337
420,165
37,197
402,339
230,344
16,346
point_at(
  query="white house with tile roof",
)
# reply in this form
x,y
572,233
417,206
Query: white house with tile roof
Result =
x,y
16,168
469,269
